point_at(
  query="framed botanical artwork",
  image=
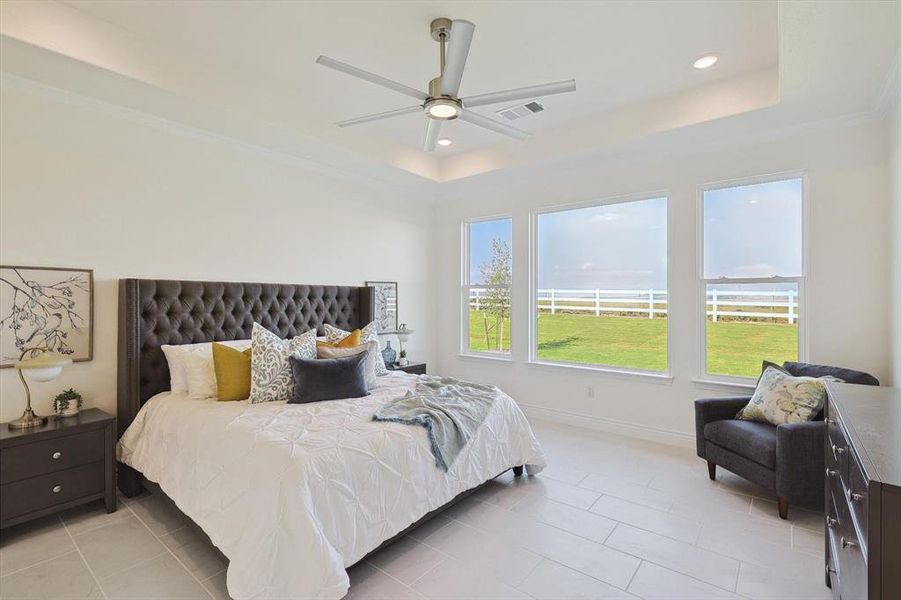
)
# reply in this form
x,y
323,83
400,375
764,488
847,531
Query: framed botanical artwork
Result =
x,y
385,293
45,307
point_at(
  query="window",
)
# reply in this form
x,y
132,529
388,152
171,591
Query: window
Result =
x,y
601,285
487,276
752,276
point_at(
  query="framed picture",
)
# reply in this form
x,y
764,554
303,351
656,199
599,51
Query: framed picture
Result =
x,y
385,293
45,307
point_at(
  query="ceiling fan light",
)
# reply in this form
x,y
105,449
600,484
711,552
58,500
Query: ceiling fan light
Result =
x,y
442,108
445,141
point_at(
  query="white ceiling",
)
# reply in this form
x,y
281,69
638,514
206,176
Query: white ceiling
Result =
x,y
631,61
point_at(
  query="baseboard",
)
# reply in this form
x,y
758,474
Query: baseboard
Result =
x,y
596,423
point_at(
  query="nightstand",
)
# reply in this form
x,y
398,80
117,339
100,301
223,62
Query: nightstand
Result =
x,y
414,368
67,462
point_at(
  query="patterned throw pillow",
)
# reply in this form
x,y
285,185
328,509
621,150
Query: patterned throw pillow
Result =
x,y
370,333
270,372
781,398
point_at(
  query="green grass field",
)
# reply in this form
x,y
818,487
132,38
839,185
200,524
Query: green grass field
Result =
x,y
734,348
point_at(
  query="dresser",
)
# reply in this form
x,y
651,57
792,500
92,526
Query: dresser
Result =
x,y
65,463
863,492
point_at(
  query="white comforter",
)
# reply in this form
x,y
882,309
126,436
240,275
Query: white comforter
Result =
x,y
294,493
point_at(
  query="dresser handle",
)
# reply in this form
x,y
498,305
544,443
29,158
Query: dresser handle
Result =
x,y
854,496
837,449
57,489
830,421
56,455
831,522
831,472
848,543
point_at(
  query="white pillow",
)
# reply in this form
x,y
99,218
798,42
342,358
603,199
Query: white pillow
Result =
x,y
178,378
201,375
370,333
271,377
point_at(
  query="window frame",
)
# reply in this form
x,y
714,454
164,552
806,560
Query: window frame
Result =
x,y
801,280
466,284
659,376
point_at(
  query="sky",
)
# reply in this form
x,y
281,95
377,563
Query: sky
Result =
x,y
750,231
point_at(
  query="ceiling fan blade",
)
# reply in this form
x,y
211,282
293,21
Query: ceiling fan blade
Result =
x,y
533,91
431,134
379,116
502,128
457,51
331,63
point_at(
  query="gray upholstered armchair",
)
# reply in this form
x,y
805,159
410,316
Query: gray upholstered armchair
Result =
x,y
788,459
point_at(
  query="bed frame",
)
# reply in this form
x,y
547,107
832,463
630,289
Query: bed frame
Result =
x,y
154,312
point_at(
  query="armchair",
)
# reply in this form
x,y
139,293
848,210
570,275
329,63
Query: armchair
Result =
x,y
788,459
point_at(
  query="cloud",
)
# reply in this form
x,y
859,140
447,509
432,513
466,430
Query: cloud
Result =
x,y
587,266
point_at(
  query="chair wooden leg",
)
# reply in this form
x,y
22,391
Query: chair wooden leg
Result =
x,y
783,508
711,470
517,471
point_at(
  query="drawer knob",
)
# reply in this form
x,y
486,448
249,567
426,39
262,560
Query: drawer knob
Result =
x,y
830,421
837,449
57,489
831,522
56,455
854,496
831,472
848,543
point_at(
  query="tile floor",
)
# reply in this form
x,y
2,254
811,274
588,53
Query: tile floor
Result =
x,y
611,517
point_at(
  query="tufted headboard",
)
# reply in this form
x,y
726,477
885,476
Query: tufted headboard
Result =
x,y
154,312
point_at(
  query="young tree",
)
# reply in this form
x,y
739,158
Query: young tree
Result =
x,y
497,274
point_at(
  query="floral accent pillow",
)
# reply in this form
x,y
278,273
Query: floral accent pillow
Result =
x,y
271,378
782,398
370,333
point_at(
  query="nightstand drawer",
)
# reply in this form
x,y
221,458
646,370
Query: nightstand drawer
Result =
x,y
37,493
49,456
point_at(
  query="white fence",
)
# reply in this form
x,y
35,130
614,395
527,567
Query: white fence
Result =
x,y
778,305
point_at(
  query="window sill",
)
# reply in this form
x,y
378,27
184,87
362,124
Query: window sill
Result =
x,y
486,356
716,383
651,377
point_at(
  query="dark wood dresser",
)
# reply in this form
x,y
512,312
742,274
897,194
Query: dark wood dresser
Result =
x,y
863,492
65,463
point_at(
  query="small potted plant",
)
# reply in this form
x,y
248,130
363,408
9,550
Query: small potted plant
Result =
x,y
67,403
402,361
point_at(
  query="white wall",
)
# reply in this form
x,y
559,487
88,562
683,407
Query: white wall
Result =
x,y
893,130
848,291
89,185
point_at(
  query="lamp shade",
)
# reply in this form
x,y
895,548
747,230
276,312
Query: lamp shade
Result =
x,y
404,334
43,367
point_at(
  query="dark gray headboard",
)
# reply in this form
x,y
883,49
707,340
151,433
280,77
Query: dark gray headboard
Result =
x,y
153,312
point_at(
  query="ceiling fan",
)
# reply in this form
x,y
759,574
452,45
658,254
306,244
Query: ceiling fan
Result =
x,y
442,102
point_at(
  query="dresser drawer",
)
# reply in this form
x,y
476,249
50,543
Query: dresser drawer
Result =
x,y
49,456
44,491
857,498
836,445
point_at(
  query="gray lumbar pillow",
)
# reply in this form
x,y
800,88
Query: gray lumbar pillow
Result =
x,y
321,379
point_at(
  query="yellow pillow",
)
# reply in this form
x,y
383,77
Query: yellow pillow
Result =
x,y
354,339
232,372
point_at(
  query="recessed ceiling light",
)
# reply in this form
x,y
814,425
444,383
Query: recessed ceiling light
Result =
x,y
705,62
445,141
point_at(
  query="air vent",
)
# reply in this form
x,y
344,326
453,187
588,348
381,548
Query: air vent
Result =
x,y
521,110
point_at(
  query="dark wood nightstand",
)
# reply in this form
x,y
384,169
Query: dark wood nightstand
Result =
x,y
67,462
414,368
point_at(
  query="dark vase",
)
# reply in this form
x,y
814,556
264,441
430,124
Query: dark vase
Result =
x,y
389,355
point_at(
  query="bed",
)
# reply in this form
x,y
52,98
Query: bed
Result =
x,y
291,494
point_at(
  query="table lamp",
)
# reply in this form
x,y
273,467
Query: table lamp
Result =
x,y
403,334
41,365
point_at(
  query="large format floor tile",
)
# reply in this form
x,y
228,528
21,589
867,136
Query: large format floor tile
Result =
x,y
113,548
653,582
553,581
65,577
674,526
24,545
161,577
